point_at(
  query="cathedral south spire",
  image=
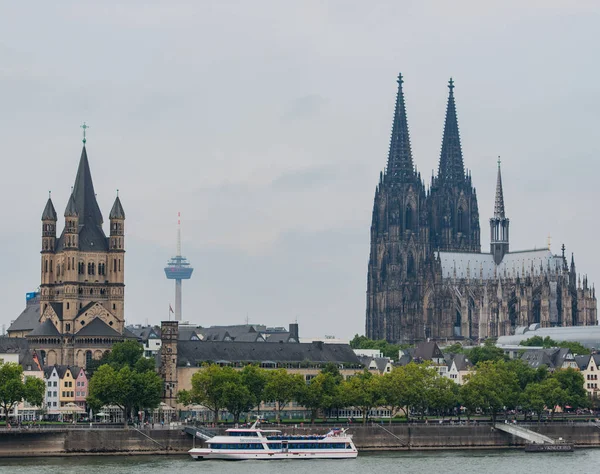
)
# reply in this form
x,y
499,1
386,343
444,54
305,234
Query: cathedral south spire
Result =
x,y
453,203
400,163
451,168
499,224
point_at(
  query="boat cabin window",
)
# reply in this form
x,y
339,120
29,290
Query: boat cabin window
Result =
x,y
243,433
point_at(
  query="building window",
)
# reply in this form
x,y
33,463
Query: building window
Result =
x,y
68,327
88,357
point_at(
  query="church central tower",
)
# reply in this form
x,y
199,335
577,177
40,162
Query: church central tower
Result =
x,y
82,277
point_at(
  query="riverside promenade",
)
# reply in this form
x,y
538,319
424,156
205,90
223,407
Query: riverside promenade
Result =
x,y
171,439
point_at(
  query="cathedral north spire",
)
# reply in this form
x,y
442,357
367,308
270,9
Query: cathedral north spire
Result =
x,y
400,163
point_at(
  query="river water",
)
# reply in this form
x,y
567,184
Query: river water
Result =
x,y
431,462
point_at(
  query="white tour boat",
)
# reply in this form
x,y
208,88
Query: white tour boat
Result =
x,y
255,443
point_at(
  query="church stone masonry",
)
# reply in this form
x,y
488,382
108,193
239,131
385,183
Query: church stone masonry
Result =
x,y
82,278
427,276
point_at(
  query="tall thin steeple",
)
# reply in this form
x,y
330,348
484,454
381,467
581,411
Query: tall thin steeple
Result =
x,y
451,167
400,163
499,201
499,224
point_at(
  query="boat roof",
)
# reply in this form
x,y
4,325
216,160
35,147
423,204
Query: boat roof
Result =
x,y
252,430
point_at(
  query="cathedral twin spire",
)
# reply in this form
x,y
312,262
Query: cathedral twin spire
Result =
x,y
451,168
400,163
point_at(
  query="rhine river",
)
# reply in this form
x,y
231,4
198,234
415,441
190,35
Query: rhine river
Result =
x,y
431,462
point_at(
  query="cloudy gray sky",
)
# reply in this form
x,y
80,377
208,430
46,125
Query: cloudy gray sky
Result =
x,y
266,124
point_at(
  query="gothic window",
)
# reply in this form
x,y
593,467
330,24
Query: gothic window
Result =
x,y
46,266
459,220
88,358
409,218
411,269
50,266
67,327
119,264
114,265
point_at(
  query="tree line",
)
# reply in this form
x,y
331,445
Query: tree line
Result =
x,y
415,390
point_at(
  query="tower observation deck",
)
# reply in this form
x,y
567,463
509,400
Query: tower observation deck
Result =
x,y
178,268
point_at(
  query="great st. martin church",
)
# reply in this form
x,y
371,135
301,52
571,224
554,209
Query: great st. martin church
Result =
x,y
427,276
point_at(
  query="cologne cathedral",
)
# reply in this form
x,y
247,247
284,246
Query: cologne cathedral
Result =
x,y
427,276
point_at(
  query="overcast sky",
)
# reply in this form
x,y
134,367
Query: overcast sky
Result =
x,y
266,123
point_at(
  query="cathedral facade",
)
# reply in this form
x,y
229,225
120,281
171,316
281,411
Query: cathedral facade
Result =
x,y
82,289
427,276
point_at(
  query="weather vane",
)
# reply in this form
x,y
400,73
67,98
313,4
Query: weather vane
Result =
x,y
85,127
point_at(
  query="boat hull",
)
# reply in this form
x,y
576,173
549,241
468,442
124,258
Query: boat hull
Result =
x,y
203,453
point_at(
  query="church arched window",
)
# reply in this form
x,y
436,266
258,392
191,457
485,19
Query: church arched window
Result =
x,y
409,218
411,268
459,220
88,358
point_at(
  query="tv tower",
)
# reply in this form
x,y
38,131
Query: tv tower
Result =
x,y
178,268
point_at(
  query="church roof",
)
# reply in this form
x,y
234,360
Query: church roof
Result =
x,y
476,265
58,309
91,235
195,353
13,345
47,328
117,211
49,213
29,319
97,327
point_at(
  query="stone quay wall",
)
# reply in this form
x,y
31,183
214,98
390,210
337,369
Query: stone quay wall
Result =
x,y
61,442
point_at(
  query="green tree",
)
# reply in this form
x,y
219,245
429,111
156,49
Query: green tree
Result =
x,y
572,382
364,391
208,389
554,395
237,397
442,395
533,398
547,342
410,386
255,379
319,394
486,352
387,349
13,389
492,387
282,388
126,389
